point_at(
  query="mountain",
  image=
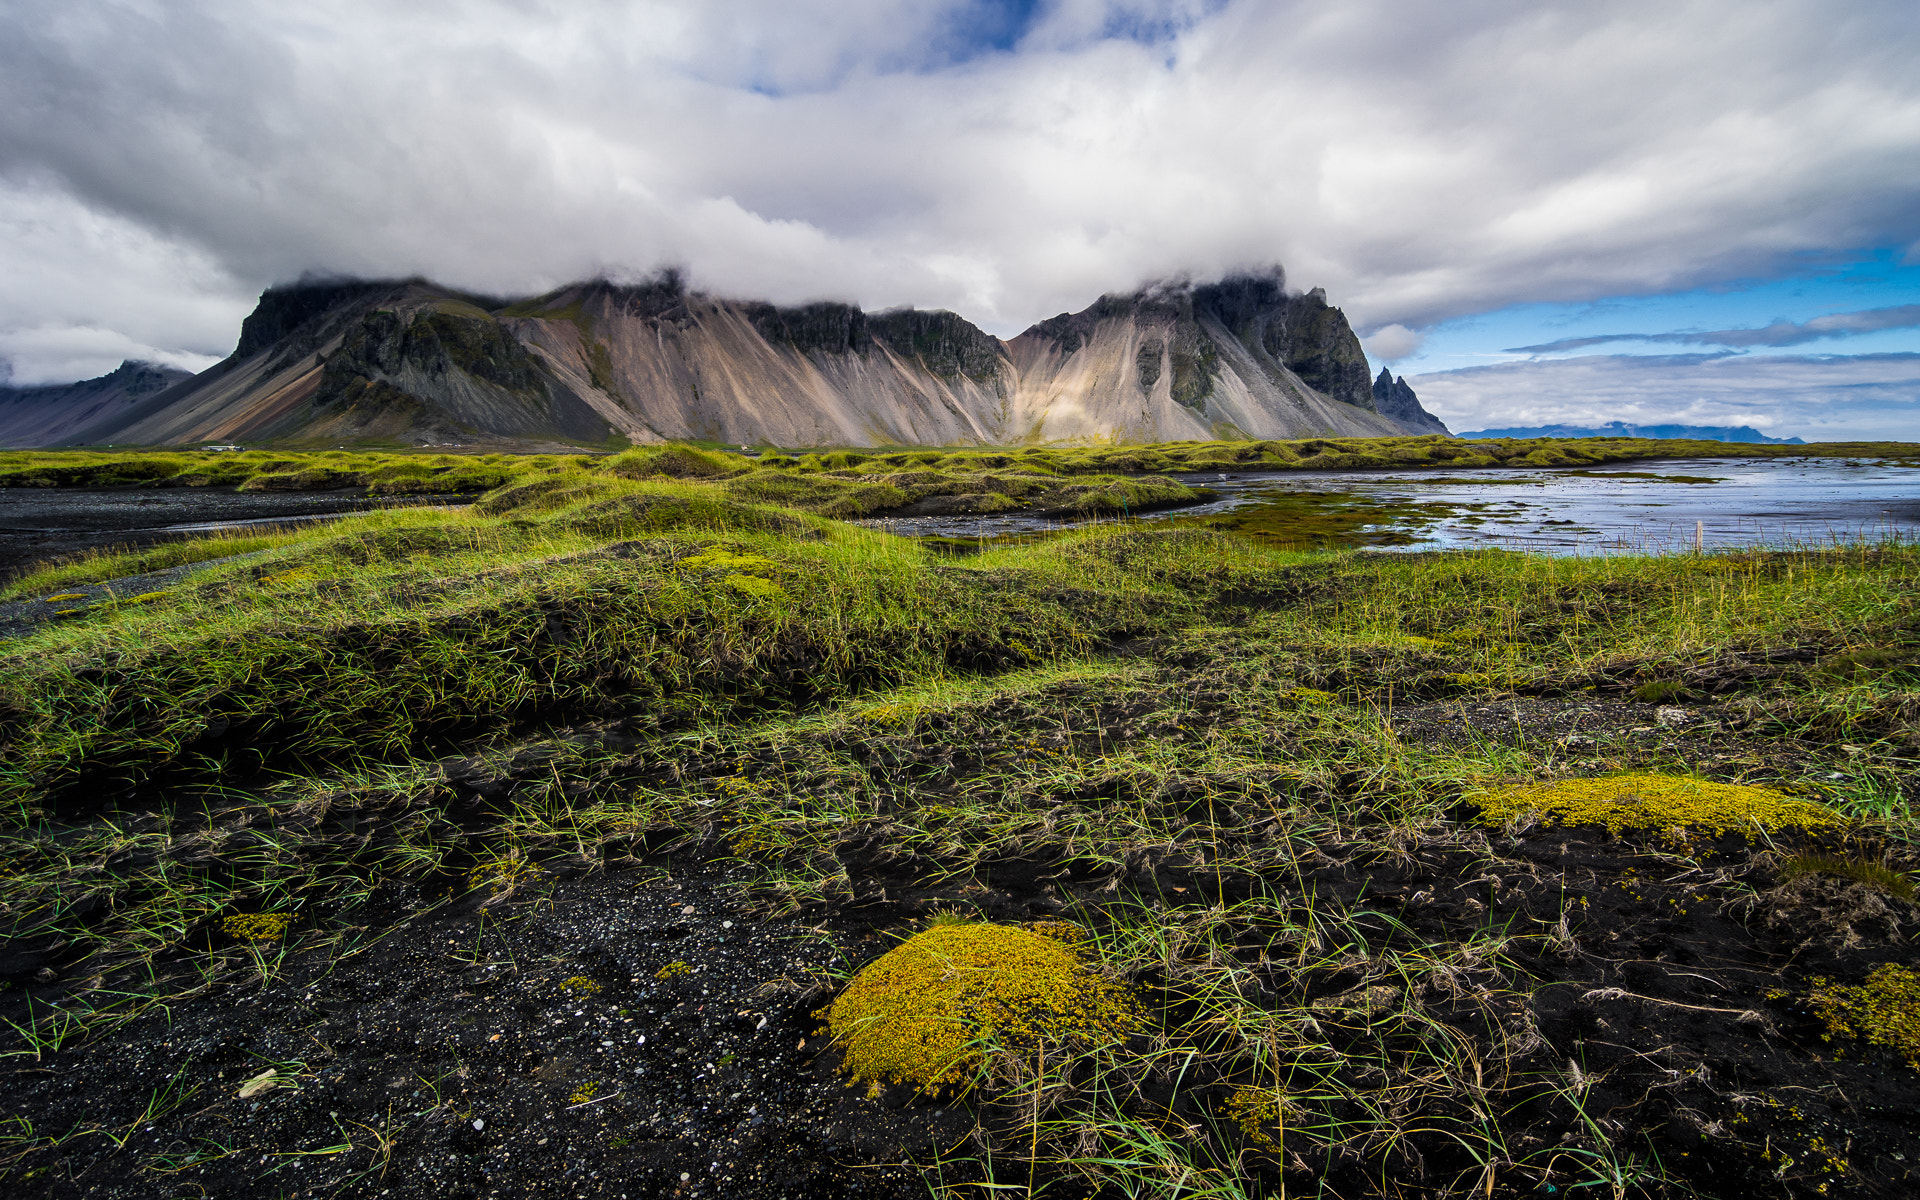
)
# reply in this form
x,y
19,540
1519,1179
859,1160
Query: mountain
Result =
x,y
43,416
1394,399
1620,429
410,361
1238,358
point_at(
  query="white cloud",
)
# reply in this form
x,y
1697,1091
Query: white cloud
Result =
x,y
82,289
1391,343
1419,161
62,353
1871,397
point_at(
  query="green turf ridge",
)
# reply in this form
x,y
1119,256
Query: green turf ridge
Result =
x,y
401,472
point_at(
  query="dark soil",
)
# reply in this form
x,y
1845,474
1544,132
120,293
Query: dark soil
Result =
x,y
454,1056
447,1055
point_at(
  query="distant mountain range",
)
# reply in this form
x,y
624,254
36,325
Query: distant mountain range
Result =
x,y
54,413
408,361
1620,429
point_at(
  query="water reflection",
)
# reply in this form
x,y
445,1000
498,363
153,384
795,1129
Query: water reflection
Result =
x,y
1629,508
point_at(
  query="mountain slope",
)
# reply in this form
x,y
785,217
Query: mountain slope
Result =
x,y
408,361
43,416
663,363
1239,358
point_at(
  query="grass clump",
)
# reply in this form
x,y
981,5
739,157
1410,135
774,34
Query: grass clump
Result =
x,y
922,1013
1883,1011
1657,802
1870,871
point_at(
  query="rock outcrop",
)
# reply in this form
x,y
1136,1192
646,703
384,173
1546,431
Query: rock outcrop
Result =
x,y
408,361
1394,399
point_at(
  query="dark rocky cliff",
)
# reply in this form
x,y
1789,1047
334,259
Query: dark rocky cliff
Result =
x,y
284,312
1394,399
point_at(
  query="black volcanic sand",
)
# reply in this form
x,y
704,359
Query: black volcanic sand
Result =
x,y
38,524
537,1041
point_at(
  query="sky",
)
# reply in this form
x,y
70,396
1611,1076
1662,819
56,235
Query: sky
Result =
x,y
1538,212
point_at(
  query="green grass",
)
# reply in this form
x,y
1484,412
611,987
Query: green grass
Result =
x,y
1207,717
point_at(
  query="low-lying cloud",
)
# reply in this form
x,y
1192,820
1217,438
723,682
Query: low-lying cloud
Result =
x,y
160,163
1779,333
1391,343
1871,397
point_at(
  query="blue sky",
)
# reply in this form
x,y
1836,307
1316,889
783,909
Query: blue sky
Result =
x,y
1514,367
1873,280
1463,179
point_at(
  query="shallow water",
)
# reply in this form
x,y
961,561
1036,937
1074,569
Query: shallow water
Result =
x,y
1620,508
37,524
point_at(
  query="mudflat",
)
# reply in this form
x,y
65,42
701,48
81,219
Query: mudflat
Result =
x,y
38,524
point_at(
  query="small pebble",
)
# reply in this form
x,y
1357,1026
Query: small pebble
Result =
x,y
479,1124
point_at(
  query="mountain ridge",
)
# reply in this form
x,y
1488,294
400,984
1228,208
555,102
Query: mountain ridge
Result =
x,y
47,413
1623,429
407,360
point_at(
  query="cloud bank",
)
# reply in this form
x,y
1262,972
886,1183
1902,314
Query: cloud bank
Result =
x,y
1872,397
160,162
1779,333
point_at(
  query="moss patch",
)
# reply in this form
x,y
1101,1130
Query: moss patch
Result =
x,y
1883,1011
1657,802
923,1012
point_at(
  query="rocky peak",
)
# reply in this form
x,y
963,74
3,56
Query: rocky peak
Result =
x,y
136,378
287,309
1394,399
945,343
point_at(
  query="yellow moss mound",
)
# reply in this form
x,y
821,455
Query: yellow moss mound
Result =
x,y
921,1012
1657,802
